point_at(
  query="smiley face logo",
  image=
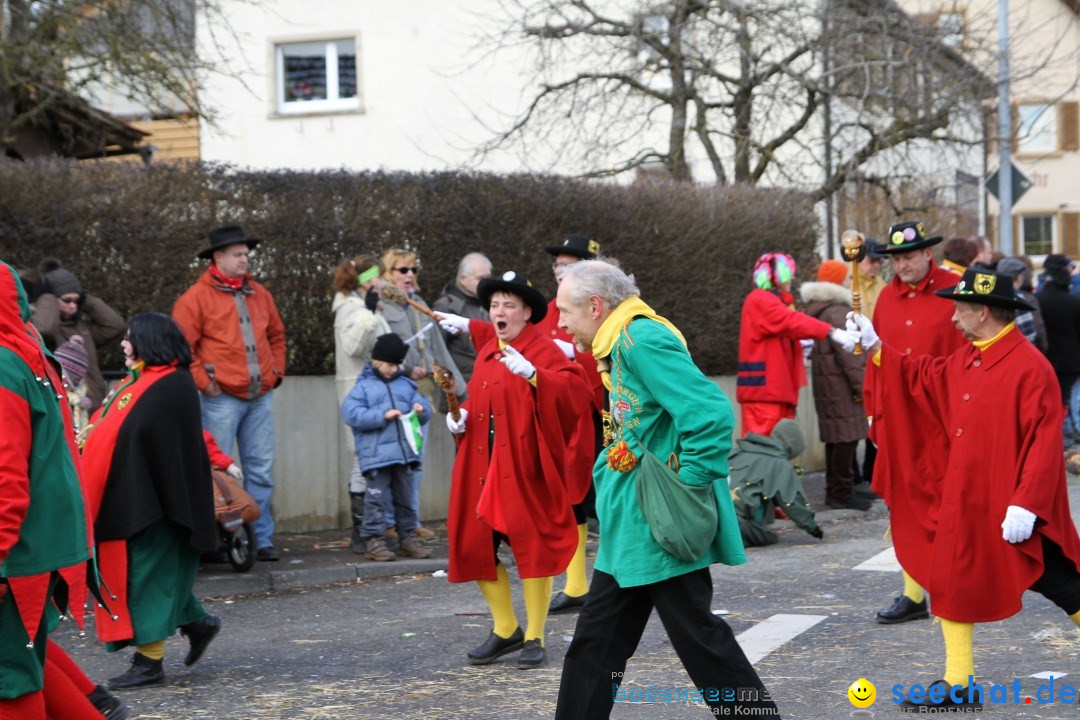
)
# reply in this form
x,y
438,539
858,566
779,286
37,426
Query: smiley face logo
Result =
x,y
862,693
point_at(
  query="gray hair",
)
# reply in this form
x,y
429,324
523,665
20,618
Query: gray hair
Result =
x,y
596,277
463,266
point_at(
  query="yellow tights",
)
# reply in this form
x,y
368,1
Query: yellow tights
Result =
x,y
912,590
959,661
577,584
154,650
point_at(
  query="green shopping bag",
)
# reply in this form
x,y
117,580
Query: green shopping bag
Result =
x,y
681,517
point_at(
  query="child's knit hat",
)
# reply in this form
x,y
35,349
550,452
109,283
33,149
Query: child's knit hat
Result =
x,y
73,358
389,348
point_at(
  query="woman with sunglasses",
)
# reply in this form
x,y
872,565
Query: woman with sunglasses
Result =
x,y
424,339
61,309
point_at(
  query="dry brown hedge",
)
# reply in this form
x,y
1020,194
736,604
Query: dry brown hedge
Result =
x,y
130,234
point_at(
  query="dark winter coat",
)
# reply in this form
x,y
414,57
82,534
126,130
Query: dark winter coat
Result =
x,y
837,375
1061,313
380,442
461,347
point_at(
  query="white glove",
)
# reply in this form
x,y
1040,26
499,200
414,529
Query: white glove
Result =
x,y
566,347
457,427
235,472
862,325
453,324
1018,525
807,347
845,338
516,363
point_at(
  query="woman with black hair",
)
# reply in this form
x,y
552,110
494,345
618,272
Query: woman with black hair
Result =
x,y
151,500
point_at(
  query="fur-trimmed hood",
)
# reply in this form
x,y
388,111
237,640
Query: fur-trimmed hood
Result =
x,y
826,292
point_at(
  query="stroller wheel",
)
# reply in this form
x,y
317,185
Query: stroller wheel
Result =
x,y
241,548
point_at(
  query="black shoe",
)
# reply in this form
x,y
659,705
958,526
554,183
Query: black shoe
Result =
x,y
854,502
268,554
112,707
864,490
563,603
143,672
199,635
532,654
902,610
946,704
495,647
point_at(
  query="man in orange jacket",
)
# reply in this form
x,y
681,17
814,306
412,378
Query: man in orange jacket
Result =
x,y
238,348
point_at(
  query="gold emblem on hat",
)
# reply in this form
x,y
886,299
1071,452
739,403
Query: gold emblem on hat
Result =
x,y
123,401
984,284
594,247
897,238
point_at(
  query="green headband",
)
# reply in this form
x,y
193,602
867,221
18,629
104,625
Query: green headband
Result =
x,y
369,274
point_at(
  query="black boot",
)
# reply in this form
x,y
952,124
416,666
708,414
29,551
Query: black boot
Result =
x,y
112,707
356,500
199,634
143,672
902,610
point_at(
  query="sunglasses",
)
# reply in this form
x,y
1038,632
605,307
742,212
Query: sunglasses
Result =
x,y
69,299
407,270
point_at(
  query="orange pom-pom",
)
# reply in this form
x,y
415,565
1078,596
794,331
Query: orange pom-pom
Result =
x,y
620,458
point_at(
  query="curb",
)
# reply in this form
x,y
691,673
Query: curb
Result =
x,y
221,585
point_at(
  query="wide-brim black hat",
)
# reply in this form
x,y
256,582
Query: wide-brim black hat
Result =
x,y
906,237
223,237
515,284
578,246
986,287
875,250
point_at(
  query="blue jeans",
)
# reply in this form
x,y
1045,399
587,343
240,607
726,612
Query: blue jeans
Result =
x,y
251,424
417,478
388,487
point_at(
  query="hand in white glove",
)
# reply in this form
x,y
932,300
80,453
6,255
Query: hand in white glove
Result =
x,y
516,363
566,347
453,324
235,472
1019,524
457,427
844,338
862,325
807,346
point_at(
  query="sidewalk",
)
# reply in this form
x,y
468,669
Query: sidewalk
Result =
x,y
325,558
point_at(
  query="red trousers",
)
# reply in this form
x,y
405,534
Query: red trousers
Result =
x,y
761,417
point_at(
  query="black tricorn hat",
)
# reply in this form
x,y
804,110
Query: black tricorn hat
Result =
x,y
578,246
514,284
905,237
223,237
985,287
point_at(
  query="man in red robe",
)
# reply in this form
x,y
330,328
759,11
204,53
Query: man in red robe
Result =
x,y
509,480
1000,522
914,321
588,440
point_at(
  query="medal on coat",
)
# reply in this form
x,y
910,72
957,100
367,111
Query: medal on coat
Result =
x,y
619,456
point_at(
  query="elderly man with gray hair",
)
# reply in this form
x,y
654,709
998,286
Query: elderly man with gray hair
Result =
x,y
459,298
662,410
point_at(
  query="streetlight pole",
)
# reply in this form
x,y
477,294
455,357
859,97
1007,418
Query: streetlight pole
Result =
x,y
1005,133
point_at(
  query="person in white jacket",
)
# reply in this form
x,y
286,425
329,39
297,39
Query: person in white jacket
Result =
x,y
356,325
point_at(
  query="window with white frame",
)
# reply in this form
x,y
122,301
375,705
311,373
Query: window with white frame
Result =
x,y
317,76
1036,130
1037,233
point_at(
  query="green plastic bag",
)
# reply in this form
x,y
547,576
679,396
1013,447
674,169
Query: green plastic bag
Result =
x,y
681,517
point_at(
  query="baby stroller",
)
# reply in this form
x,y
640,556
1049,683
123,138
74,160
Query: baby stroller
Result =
x,y
234,510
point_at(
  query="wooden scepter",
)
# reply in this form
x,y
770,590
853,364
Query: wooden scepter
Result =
x,y
445,380
852,243
395,294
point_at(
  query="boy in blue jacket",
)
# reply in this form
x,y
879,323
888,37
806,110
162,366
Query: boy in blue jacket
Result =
x,y
384,410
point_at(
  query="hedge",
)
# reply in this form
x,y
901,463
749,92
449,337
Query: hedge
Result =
x,y
131,234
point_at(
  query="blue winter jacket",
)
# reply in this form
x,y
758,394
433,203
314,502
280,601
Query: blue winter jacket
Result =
x,y
381,442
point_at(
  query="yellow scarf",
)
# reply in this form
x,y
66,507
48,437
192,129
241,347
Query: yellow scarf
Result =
x,y
983,344
614,325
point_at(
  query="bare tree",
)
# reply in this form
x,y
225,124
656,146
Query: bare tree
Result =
x,y
54,50
759,91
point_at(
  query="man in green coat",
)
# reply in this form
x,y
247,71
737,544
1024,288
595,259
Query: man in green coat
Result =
x,y
763,479
659,401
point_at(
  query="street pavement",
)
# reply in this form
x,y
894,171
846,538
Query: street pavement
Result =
x,y
394,647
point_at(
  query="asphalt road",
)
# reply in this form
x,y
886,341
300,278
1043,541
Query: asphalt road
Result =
x,y
394,647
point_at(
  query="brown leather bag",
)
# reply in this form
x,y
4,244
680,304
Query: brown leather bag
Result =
x,y
233,506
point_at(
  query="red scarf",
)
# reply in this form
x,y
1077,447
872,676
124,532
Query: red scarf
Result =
x,y
234,284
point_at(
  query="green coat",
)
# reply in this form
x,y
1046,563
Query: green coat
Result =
x,y
762,479
667,403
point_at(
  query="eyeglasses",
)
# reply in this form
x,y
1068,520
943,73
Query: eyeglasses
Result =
x,y
69,299
407,270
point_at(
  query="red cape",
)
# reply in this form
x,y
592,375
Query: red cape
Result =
x,y
1001,413
520,489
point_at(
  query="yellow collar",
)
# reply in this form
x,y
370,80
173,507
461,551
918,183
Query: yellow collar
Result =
x,y
983,344
632,307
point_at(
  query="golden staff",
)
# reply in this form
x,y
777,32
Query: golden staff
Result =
x,y
852,243
445,380
395,294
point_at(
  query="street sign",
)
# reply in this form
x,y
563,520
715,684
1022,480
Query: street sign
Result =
x,y
1021,183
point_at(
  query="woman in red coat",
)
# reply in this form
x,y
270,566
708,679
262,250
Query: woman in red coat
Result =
x,y
509,479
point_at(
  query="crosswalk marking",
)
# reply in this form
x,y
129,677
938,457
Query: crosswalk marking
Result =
x,y
766,636
884,561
